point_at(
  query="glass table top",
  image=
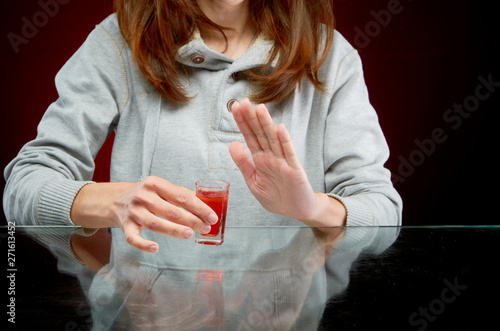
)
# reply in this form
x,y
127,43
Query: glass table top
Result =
x,y
260,278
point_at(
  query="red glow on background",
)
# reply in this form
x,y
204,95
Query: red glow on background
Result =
x,y
421,58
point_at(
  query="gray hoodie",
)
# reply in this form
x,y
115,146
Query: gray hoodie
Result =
x,y
336,134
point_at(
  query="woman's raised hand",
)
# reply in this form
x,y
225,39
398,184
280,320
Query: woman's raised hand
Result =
x,y
274,173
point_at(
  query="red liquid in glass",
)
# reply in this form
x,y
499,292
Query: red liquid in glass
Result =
x,y
218,202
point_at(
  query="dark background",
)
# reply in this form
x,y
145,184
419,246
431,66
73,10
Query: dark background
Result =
x,y
421,59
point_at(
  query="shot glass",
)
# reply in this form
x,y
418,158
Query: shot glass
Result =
x,y
215,193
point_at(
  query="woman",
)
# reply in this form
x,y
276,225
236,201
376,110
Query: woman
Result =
x,y
186,85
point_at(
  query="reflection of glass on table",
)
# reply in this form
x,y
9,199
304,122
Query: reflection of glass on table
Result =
x,y
214,193
295,278
210,290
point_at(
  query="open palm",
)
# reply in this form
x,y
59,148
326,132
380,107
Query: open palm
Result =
x,y
274,173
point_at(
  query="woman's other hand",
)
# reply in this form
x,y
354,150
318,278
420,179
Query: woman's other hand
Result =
x,y
153,204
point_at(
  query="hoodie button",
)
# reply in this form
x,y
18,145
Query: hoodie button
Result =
x,y
198,59
230,105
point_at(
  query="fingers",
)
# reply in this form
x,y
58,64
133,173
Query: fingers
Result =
x,y
141,218
245,128
257,127
288,148
260,132
132,232
250,115
164,208
270,131
191,210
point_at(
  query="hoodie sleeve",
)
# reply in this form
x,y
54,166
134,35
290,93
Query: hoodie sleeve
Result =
x,y
356,151
48,172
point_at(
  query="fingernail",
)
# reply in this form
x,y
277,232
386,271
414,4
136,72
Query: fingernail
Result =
x,y
153,248
212,218
188,233
205,228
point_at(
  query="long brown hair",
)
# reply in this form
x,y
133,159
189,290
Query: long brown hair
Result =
x,y
302,31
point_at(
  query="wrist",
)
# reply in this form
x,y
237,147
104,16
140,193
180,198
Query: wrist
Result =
x,y
329,212
93,205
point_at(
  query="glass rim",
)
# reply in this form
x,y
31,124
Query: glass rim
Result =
x,y
204,183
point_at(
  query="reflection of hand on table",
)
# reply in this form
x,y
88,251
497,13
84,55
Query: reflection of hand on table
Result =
x,y
273,290
153,298
92,250
166,304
